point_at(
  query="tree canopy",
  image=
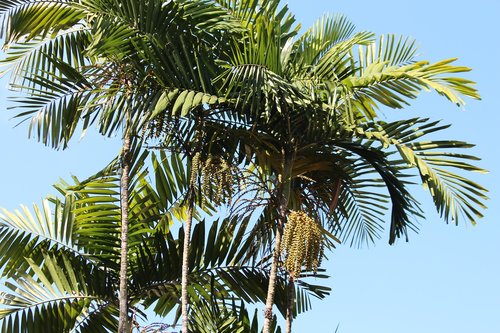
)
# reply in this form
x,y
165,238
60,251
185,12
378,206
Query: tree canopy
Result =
x,y
253,117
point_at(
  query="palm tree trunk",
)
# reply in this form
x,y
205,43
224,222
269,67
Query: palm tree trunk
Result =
x,y
268,312
124,184
290,304
282,195
271,289
185,265
189,221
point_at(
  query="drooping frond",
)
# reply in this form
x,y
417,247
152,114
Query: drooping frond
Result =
x,y
359,213
34,58
180,102
404,208
437,163
388,74
23,20
56,104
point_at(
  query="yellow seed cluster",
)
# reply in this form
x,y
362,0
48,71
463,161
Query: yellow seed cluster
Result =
x,y
302,243
195,168
217,179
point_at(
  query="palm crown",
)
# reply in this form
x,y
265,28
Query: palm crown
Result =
x,y
237,80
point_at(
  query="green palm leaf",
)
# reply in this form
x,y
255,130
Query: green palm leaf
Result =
x,y
321,37
455,196
361,207
26,234
56,294
34,58
222,264
37,19
389,74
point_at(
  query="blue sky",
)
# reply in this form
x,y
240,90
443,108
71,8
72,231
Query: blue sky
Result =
x,y
447,278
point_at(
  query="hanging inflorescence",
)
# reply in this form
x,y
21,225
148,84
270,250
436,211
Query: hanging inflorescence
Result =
x,y
216,178
195,168
156,128
302,243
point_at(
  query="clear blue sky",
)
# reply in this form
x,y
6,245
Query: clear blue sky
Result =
x,y
447,278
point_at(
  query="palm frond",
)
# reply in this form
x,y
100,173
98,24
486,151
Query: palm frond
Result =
x,y
335,64
454,195
226,316
389,75
34,58
361,206
25,234
215,316
55,104
258,91
321,37
55,294
404,207
222,264
25,20
181,102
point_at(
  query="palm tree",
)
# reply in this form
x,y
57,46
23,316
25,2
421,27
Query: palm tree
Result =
x,y
310,106
309,102
61,263
91,62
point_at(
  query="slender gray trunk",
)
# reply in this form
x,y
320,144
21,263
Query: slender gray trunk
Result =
x,y
268,312
124,195
185,267
271,289
290,303
282,195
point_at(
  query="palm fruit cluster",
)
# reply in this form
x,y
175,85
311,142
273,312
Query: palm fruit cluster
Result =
x,y
302,243
156,128
217,179
195,168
